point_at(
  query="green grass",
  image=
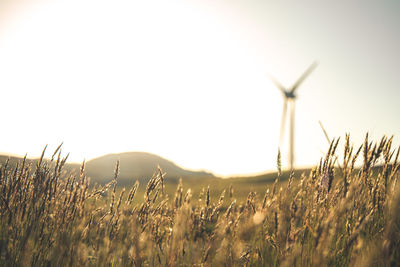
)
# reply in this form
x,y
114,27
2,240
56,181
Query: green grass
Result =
x,y
235,188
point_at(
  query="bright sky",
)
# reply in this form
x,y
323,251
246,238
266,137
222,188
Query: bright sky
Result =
x,y
189,80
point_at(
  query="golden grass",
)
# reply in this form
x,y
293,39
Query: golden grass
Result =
x,y
331,216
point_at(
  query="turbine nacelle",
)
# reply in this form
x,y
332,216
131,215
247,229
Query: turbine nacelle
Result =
x,y
289,95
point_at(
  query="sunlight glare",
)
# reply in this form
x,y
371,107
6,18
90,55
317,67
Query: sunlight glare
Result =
x,y
168,78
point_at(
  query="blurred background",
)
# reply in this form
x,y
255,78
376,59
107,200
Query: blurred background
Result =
x,y
190,80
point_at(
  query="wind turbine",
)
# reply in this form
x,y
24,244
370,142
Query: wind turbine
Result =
x,y
289,98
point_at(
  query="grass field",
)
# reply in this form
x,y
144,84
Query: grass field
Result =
x,y
328,215
235,188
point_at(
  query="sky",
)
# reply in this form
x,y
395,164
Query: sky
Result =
x,y
190,80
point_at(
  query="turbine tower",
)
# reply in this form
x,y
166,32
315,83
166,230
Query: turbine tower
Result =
x,y
289,98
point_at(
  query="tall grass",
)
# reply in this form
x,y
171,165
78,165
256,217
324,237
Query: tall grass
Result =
x,y
331,216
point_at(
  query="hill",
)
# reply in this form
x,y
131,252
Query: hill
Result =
x,y
136,166
13,160
133,166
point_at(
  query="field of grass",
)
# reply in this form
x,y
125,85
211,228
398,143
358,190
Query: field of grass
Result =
x,y
324,216
235,188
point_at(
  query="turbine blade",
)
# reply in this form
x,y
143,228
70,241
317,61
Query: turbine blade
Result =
x,y
292,131
277,84
325,133
283,121
302,77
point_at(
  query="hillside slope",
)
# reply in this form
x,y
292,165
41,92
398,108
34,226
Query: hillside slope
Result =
x,y
133,166
136,166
